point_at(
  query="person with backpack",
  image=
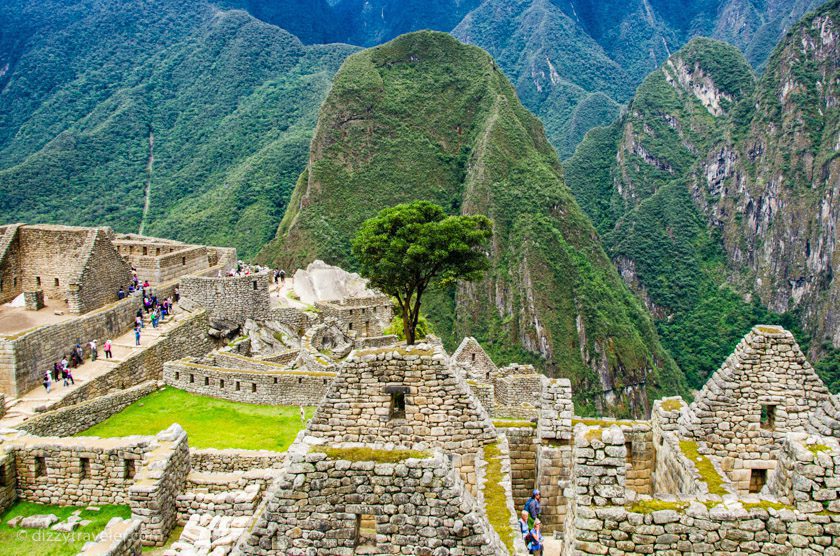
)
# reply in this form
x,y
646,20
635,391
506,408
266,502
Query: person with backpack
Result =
x,y
534,507
534,543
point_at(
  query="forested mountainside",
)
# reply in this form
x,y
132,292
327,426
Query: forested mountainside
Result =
x,y
574,62
426,117
716,194
175,118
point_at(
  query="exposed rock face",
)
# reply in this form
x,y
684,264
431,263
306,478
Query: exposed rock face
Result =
x,y
322,282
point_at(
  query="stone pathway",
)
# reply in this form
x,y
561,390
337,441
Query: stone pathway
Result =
x,y
122,347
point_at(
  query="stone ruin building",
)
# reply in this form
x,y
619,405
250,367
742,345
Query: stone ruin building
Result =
x,y
415,451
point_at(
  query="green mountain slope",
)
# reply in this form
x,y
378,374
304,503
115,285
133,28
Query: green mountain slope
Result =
x,y
426,117
205,115
715,193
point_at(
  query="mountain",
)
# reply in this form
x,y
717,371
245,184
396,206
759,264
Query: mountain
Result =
x,y
427,117
575,62
716,194
177,119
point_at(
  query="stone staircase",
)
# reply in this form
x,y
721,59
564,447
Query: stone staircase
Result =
x,y
235,494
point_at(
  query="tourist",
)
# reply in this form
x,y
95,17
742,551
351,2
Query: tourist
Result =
x,y
138,322
146,284
154,318
302,415
121,293
137,336
57,370
68,375
282,276
64,366
177,294
147,303
107,348
78,356
523,526
533,507
535,539
47,382
93,353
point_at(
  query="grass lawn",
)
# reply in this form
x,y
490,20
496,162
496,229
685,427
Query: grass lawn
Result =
x,y
209,422
45,542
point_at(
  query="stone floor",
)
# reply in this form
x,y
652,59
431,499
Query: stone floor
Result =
x,y
14,320
122,347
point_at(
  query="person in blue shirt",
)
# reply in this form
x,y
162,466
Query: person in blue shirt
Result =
x,y
534,507
535,539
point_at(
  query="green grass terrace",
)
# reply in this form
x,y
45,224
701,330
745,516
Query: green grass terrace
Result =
x,y
209,422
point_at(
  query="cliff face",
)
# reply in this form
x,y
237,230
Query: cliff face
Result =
x,y
775,194
426,117
715,192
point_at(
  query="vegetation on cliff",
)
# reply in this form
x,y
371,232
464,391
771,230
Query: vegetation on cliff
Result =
x,y
552,296
681,190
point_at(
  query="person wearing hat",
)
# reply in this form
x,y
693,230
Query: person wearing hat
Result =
x,y
535,539
533,507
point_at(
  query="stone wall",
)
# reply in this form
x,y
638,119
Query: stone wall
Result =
x,y
77,471
556,409
187,338
807,474
11,280
471,357
518,395
25,358
764,390
2,404
157,485
364,316
103,273
70,420
227,461
121,537
416,506
523,461
230,299
293,318
485,395
362,404
8,479
234,494
278,387
554,466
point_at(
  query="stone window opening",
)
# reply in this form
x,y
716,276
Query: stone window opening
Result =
x,y
40,466
84,468
1,284
300,380
38,281
57,284
628,446
487,375
207,381
473,358
255,284
758,478
275,380
177,375
768,417
157,252
397,405
129,469
14,282
183,261
365,531
351,326
367,328
145,250
238,386
253,387
325,381
192,378
222,383
2,475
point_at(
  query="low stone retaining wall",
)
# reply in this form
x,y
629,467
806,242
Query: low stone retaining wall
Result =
x,y
8,494
158,484
120,537
227,461
187,337
67,421
2,404
77,471
278,387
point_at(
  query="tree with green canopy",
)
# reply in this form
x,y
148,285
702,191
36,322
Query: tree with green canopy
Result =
x,y
407,248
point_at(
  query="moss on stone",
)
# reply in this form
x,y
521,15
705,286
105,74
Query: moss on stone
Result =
x,y
770,329
711,503
495,497
602,422
817,448
654,505
672,405
766,505
513,423
704,466
371,454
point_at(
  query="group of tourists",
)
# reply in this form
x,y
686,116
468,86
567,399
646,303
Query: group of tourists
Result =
x,y
63,370
530,526
279,276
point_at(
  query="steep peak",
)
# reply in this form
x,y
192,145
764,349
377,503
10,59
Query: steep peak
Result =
x,y
714,72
